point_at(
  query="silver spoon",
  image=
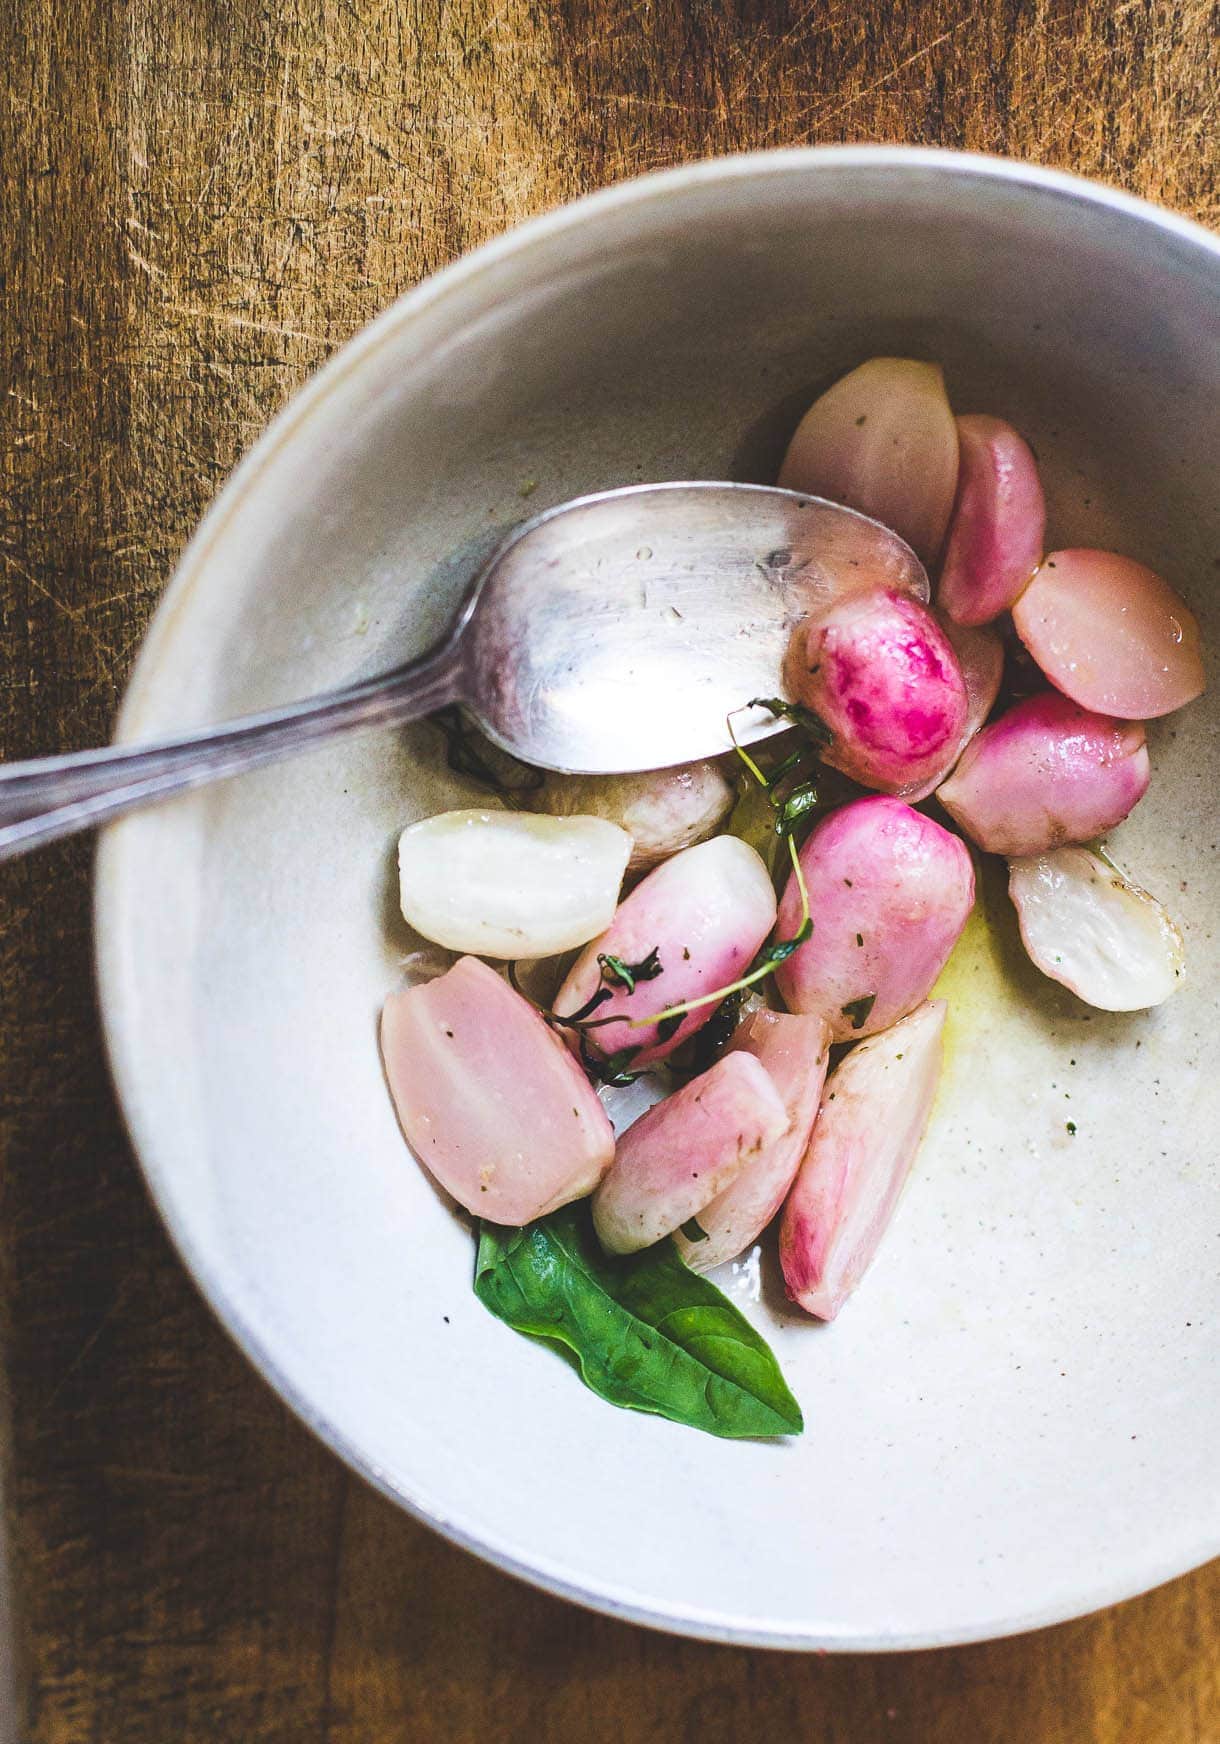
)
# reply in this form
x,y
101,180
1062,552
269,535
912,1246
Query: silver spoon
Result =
x,y
613,633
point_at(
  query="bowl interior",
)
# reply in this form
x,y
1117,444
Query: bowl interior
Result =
x,y
1016,1417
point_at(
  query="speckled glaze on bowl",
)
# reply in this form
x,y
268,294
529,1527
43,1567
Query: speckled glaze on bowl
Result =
x,y
1016,1418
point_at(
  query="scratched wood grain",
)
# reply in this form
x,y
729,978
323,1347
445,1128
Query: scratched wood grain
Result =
x,y
198,201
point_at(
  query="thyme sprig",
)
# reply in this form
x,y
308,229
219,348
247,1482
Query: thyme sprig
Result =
x,y
606,1068
791,811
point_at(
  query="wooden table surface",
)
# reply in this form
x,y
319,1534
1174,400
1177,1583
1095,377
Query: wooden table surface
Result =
x,y
200,200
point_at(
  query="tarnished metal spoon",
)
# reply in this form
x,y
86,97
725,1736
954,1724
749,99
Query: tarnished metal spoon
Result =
x,y
613,633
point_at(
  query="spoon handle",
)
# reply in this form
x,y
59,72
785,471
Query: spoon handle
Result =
x,y
49,797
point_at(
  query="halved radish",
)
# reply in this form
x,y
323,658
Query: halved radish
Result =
x,y
489,1099
999,521
704,913
882,440
1088,926
685,1151
509,884
875,1108
1046,773
1111,634
794,1051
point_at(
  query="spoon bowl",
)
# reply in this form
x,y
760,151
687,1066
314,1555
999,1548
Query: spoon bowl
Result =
x,y
618,632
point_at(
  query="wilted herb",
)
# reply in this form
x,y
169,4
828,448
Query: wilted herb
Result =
x,y
627,974
772,955
798,714
608,1068
858,1010
605,1068
710,1041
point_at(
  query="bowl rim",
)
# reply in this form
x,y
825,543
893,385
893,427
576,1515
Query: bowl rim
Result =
x,y
119,1008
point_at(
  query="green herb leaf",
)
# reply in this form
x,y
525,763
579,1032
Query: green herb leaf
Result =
x,y
710,1042
771,956
798,714
668,1027
799,803
627,974
646,1332
859,1009
608,1068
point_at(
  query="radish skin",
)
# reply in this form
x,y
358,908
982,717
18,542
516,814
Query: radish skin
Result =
x,y
1111,634
794,1052
1046,773
998,525
706,912
881,674
875,1110
685,1151
890,891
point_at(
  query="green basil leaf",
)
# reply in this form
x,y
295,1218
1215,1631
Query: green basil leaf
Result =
x,y
646,1332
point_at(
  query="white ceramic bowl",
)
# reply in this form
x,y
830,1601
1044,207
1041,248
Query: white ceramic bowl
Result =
x,y
1016,1419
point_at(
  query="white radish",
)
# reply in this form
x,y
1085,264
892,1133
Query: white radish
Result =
x,y
875,1109
686,1150
794,1052
488,1097
882,440
1086,925
510,884
662,810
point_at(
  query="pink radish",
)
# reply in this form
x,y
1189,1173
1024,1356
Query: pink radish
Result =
x,y
875,1108
1110,634
1045,773
998,525
890,891
881,674
794,1051
705,912
685,1151
882,440
489,1099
